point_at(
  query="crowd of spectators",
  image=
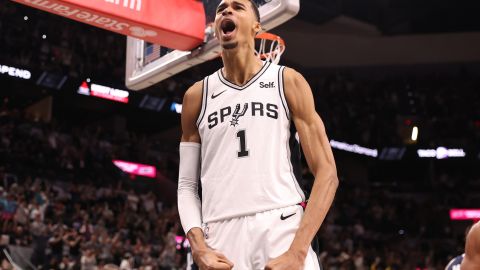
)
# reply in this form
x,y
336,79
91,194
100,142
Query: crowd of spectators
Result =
x,y
374,111
83,226
90,222
62,197
374,228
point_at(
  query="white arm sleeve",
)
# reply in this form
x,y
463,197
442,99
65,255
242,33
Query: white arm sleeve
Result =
x,y
189,205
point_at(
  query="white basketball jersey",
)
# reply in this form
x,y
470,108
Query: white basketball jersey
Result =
x,y
247,163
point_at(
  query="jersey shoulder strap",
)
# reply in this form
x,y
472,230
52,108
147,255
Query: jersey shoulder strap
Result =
x,y
204,100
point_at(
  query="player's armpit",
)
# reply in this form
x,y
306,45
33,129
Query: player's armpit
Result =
x,y
192,104
319,156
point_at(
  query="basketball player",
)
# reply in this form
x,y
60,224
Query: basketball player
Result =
x,y
471,259
238,139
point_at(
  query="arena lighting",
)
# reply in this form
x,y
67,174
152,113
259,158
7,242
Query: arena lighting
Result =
x,y
15,72
178,240
136,168
353,148
84,89
104,92
176,107
414,133
181,239
465,214
441,153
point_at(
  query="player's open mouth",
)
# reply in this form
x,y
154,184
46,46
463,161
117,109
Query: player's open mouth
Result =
x,y
228,27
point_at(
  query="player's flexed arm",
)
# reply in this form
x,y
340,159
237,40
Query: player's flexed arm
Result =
x,y
319,156
189,206
471,261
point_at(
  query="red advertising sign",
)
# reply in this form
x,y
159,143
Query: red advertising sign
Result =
x,y
105,92
177,24
136,168
465,214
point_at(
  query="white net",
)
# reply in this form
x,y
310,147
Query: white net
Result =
x,y
270,47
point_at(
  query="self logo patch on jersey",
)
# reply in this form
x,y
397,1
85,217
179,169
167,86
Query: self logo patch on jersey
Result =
x,y
267,85
237,114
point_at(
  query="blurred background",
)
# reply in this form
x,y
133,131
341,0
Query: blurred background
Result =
x,y
87,181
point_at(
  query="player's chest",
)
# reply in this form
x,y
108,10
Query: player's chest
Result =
x,y
229,108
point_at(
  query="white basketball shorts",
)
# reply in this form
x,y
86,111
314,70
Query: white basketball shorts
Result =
x,y
251,241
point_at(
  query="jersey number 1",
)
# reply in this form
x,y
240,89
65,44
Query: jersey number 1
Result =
x,y
243,148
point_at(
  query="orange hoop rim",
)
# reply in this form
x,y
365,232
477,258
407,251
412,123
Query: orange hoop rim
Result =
x,y
272,37
275,52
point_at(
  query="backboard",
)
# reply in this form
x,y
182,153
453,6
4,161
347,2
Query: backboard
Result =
x,y
148,63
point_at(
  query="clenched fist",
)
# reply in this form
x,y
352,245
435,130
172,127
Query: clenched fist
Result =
x,y
209,259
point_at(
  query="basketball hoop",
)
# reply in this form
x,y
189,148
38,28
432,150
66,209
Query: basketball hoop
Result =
x,y
271,47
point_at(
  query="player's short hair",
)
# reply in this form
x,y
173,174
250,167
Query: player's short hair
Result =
x,y
255,10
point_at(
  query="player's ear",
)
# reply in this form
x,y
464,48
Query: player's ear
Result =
x,y
257,27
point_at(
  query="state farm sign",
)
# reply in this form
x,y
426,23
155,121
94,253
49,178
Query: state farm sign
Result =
x,y
132,4
177,24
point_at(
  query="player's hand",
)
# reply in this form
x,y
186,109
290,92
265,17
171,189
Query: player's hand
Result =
x,y
209,259
287,261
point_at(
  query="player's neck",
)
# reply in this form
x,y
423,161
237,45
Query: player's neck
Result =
x,y
240,65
